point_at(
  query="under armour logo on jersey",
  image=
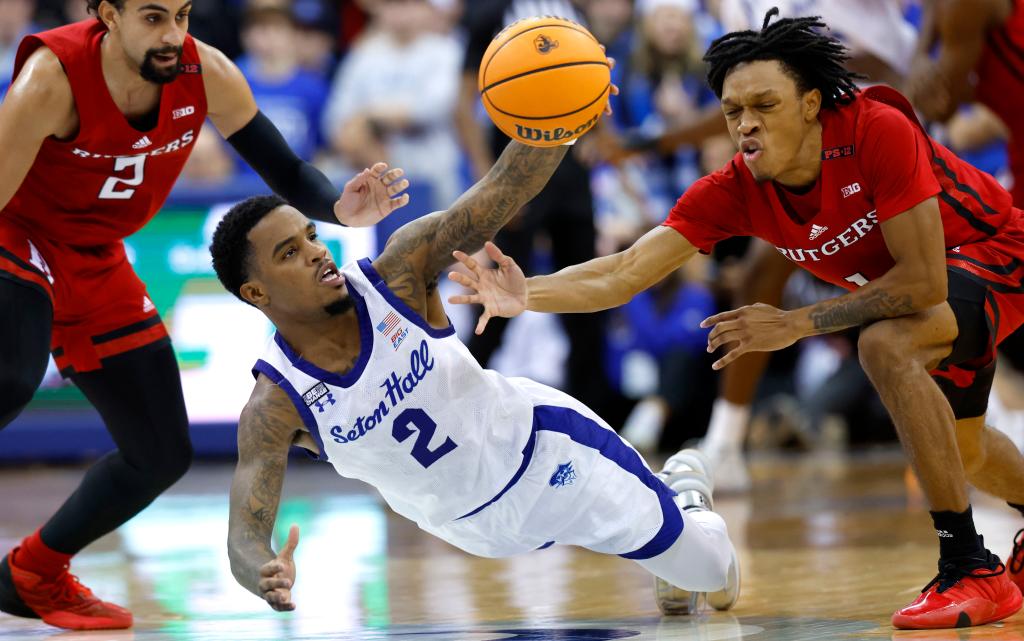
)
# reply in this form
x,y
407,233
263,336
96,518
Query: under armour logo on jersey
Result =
x,y
142,143
850,190
563,476
817,230
321,404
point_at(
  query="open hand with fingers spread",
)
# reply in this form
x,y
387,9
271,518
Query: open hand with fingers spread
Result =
x,y
502,290
373,194
278,576
754,328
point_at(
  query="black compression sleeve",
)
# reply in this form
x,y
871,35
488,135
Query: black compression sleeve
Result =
x,y
262,146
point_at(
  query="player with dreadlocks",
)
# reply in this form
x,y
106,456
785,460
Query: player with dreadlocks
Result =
x,y
847,185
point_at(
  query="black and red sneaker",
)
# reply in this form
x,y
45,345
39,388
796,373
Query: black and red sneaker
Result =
x,y
60,601
1015,568
967,591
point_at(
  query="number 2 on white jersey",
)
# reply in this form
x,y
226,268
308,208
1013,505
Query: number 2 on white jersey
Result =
x,y
110,188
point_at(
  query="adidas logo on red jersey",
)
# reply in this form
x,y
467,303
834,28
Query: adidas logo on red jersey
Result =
x,y
142,143
817,230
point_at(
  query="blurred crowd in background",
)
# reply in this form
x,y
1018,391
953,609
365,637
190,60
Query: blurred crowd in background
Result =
x,y
352,82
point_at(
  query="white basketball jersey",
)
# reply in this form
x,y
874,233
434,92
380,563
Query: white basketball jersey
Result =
x,y
416,417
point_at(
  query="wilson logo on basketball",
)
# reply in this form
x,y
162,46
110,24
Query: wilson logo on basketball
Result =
x,y
552,135
545,44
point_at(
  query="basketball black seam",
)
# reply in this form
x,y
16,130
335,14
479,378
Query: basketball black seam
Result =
x,y
539,69
544,26
510,115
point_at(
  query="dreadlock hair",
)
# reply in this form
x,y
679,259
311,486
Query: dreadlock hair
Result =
x,y
814,60
231,249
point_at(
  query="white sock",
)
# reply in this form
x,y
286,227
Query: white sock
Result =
x,y
699,560
728,426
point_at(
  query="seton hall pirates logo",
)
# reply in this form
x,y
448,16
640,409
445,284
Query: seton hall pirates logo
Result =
x,y
320,396
563,476
545,44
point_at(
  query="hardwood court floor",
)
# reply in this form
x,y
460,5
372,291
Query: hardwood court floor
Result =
x,y
830,546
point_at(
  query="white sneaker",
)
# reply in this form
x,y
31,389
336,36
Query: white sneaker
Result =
x,y
688,473
729,466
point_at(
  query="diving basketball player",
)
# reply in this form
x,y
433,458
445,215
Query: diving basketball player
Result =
x,y
366,372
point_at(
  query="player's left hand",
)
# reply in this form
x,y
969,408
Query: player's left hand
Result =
x,y
373,194
754,328
278,576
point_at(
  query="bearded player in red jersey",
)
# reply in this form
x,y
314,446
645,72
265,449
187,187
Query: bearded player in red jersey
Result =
x,y
97,125
848,186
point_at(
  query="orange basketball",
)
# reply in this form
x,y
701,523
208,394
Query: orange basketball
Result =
x,y
544,81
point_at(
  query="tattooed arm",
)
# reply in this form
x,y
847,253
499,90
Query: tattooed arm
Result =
x,y
419,250
916,282
266,428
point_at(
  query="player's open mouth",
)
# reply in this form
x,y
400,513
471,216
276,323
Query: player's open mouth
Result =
x,y
329,275
751,149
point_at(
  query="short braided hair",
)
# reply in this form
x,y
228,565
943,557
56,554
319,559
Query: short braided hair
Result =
x,y
814,60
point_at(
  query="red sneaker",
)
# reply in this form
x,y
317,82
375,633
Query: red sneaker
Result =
x,y
60,601
1016,565
969,591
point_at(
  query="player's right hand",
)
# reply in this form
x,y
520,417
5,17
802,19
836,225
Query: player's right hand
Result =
x,y
502,290
278,576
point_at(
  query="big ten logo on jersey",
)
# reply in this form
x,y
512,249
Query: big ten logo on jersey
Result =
x,y
389,327
850,190
396,388
319,396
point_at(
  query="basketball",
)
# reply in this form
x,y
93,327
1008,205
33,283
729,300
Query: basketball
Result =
x,y
544,81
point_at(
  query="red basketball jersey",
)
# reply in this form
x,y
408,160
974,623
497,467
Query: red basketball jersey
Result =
x,y
110,178
1000,87
877,162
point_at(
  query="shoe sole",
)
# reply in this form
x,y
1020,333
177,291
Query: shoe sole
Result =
x,y
10,601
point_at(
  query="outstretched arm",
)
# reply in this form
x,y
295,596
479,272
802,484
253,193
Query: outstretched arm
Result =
x,y
601,283
265,431
418,251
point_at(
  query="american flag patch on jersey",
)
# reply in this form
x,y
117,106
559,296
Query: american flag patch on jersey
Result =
x,y
390,322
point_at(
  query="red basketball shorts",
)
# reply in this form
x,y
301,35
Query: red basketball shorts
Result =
x,y
100,307
986,292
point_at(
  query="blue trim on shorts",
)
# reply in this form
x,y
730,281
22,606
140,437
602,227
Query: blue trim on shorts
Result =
x,y
588,432
381,286
527,457
268,370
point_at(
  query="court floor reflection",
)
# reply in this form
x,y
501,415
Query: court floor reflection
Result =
x,y
830,546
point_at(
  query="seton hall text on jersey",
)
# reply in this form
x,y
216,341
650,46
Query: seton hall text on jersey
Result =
x,y
857,230
175,145
396,388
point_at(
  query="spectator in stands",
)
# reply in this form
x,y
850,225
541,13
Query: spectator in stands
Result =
x,y
290,96
318,39
394,94
15,22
